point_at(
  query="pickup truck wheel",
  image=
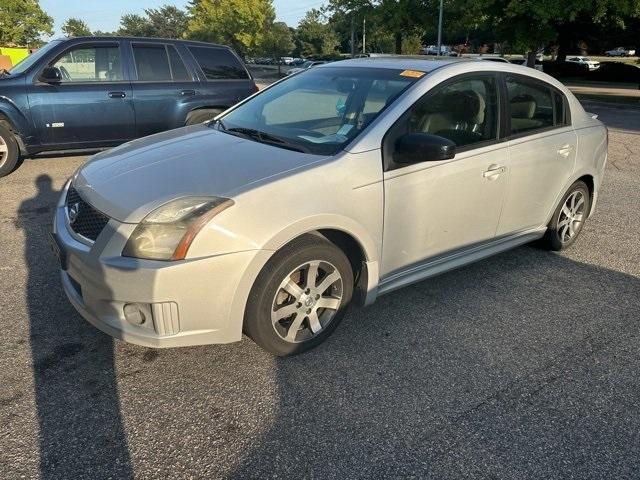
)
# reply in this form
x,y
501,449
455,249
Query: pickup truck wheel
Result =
x,y
9,151
299,297
202,115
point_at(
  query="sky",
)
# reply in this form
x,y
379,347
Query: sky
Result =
x,y
105,14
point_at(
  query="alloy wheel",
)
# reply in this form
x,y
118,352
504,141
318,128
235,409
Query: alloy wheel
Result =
x,y
571,216
4,151
306,301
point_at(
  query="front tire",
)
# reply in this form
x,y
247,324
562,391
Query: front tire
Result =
x,y
300,296
9,151
568,218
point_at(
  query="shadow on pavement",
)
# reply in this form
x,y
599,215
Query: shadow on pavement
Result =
x,y
520,366
81,431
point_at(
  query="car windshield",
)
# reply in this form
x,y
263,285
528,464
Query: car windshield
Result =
x,y
319,111
307,64
26,62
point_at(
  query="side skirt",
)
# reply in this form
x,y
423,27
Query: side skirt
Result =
x,y
449,261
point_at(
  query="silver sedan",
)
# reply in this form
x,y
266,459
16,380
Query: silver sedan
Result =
x,y
331,187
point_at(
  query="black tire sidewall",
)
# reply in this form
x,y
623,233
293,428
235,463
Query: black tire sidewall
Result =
x,y
13,152
257,321
552,236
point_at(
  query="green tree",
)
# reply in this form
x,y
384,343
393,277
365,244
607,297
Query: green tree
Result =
x,y
529,24
74,27
135,25
315,36
167,21
403,20
22,22
242,24
278,42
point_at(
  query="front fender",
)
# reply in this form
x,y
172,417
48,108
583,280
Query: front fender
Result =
x,y
17,119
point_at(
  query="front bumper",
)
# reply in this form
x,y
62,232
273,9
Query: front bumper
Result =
x,y
189,302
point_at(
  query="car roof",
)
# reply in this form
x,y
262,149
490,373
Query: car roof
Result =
x,y
140,39
402,62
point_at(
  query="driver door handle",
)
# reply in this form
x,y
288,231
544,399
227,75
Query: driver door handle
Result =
x,y
117,94
494,171
187,92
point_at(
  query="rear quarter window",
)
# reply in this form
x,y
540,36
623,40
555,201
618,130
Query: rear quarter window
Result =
x,y
218,63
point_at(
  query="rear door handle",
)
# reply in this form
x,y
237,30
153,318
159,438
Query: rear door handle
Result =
x,y
187,92
493,171
565,150
117,94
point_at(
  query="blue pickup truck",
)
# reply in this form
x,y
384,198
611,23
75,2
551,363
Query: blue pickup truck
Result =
x,y
95,92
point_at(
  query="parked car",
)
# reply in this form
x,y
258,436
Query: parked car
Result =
x,y
586,61
445,51
620,52
306,65
272,218
96,92
523,61
286,60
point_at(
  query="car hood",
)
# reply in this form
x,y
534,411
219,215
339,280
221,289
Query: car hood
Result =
x,y
129,181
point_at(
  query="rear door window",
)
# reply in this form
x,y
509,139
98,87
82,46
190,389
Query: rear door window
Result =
x,y
152,63
178,70
560,113
218,63
531,105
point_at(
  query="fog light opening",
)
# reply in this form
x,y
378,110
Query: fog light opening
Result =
x,y
134,314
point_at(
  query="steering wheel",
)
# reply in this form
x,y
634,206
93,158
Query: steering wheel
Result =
x,y
64,73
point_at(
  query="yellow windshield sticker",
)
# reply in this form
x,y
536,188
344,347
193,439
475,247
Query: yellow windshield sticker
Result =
x,y
412,73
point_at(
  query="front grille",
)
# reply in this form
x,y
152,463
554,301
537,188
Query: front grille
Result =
x,y
83,218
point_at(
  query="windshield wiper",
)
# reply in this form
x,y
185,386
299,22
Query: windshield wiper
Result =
x,y
4,72
264,137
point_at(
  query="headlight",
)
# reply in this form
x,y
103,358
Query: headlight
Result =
x,y
167,232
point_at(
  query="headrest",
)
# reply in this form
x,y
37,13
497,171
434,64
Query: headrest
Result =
x,y
465,106
523,106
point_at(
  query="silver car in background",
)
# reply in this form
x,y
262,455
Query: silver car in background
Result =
x,y
330,187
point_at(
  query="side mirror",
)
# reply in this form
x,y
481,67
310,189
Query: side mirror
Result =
x,y
51,75
423,147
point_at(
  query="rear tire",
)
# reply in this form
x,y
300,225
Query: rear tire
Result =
x,y
9,151
299,297
568,218
202,115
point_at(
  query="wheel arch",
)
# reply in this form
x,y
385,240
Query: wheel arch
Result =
x,y
344,233
15,121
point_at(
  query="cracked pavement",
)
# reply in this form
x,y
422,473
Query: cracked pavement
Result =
x,y
524,365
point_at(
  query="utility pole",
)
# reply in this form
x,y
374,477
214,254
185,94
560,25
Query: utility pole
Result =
x,y
364,35
353,36
440,30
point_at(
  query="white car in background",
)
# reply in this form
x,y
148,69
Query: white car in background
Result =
x,y
523,62
620,52
590,64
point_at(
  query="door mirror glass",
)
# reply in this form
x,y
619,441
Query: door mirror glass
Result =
x,y
51,75
423,147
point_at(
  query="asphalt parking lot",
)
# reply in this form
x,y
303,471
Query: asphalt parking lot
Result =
x,y
525,365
